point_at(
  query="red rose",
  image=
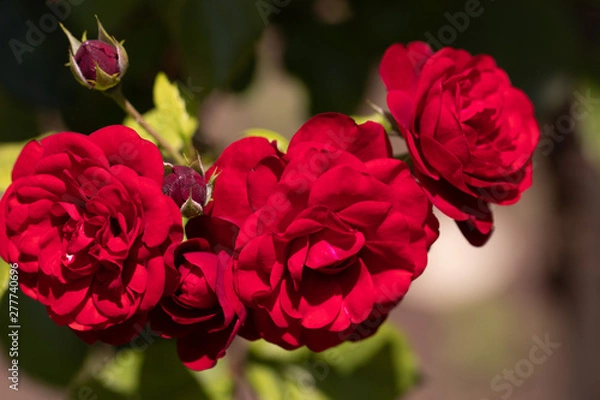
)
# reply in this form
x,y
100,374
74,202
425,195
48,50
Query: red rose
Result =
x,y
470,133
86,220
203,314
332,233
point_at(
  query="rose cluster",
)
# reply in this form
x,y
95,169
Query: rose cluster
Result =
x,y
311,247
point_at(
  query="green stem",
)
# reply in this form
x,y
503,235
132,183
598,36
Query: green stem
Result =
x,y
121,100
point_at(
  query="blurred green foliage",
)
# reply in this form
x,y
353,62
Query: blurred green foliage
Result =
x,y
331,45
47,352
381,367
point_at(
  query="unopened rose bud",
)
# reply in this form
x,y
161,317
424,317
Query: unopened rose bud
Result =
x,y
95,52
188,189
97,64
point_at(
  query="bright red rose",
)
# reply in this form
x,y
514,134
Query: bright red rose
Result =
x,y
204,314
332,233
470,133
86,220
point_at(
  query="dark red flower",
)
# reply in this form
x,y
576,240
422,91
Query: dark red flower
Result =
x,y
97,64
204,314
88,225
470,133
184,182
185,185
332,233
92,52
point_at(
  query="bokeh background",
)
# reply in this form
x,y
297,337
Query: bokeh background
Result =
x,y
475,313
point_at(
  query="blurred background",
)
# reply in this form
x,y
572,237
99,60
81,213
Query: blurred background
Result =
x,y
476,317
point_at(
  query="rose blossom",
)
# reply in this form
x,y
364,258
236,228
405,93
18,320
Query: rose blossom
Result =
x,y
332,233
470,133
86,220
204,314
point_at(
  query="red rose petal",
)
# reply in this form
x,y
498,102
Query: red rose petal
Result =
x,y
367,141
123,146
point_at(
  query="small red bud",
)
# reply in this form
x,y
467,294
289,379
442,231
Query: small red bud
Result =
x,y
183,181
94,52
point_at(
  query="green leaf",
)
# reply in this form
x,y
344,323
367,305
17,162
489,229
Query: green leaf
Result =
x,y
168,99
381,367
170,117
282,142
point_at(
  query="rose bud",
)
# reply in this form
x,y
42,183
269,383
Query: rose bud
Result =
x,y
188,189
96,52
204,313
97,64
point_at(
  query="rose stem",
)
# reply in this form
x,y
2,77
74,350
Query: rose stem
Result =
x,y
122,101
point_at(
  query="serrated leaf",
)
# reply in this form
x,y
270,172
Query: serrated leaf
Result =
x,y
170,117
282,142
380,367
